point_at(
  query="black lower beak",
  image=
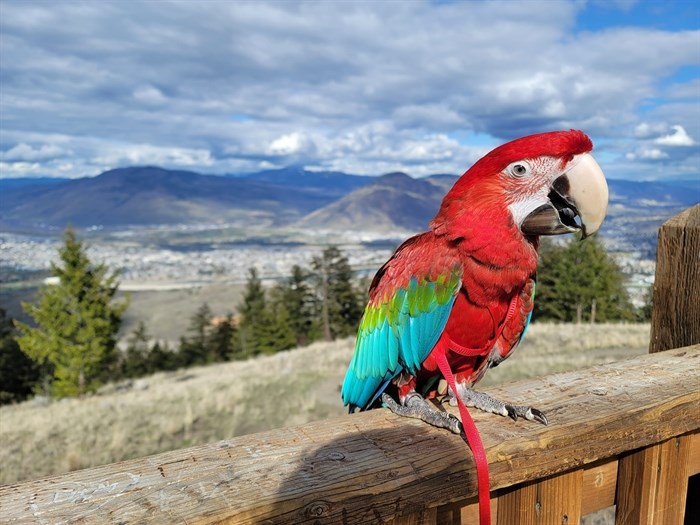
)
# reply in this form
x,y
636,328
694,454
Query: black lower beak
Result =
x,y
556,217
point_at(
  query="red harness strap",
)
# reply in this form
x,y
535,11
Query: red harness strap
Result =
x,y
471,352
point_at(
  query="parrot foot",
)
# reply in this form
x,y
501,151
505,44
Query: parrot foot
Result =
x,y
415,406
487,403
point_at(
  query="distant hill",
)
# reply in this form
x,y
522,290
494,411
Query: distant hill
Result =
x,y
391,202
397,203
325,200
152,195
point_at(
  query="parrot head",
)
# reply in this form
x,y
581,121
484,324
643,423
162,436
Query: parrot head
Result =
x,y
546,184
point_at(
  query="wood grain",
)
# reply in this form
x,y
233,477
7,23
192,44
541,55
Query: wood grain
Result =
x,y
374,467
675,319
598,486
653,484
555,500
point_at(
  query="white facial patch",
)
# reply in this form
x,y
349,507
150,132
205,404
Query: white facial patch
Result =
x,y
532,192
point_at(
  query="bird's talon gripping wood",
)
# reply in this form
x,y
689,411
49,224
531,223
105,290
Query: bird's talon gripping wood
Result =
x,y
456,300
417,407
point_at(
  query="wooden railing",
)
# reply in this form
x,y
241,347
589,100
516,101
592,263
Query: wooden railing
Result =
x,y
625,434
629,428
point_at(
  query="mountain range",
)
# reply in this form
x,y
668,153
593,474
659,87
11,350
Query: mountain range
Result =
x,y
140,196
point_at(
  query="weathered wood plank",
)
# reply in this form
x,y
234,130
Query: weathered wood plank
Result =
x,y
675,318
637,480
555,499
598,491
374,467
599,483
653,484
694,457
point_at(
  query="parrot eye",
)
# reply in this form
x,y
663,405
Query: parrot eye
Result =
x,y
519,169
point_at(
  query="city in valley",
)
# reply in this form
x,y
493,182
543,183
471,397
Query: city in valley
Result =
x,y
171,258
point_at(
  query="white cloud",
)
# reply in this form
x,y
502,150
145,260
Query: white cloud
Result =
x,y
26,152
652,154
366,86
291,144
139,154
645,130
149,95
679,137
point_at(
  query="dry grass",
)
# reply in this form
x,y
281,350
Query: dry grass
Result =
x,y
172,410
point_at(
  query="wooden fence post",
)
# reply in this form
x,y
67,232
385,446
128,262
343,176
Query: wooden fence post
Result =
x,y
653,484
675,317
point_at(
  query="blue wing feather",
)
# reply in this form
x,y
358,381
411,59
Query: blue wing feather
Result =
x,y
396,335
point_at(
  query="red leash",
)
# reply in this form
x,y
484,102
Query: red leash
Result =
x,y
471,433
473,439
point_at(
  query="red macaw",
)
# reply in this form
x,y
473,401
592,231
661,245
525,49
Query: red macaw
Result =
x,y
456,300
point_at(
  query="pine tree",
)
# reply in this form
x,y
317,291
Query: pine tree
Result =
x,y
579,281
340,306
223,340
301,305
76,322
275,332
18,373
254,315
160,357
135,361
194,346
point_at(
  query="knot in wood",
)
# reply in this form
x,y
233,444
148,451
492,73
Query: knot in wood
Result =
x,y
316,509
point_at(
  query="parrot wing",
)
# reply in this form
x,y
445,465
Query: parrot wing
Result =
x,y
397,333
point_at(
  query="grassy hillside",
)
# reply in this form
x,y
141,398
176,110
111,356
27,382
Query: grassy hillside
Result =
x,y
173,410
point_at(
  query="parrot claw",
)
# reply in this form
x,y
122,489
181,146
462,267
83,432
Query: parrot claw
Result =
x,y
488,403
415,406
537,415
529,413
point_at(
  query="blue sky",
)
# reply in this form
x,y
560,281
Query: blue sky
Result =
x,y
362,87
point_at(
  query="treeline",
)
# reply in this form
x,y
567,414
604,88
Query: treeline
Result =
x,y
321,302
71,347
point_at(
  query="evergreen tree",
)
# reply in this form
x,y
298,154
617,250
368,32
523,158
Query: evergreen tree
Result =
x,y
194,346
301,305
18,373
135,361
340,306
223,340
76,322
275,332
254,315
579,281
160,357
